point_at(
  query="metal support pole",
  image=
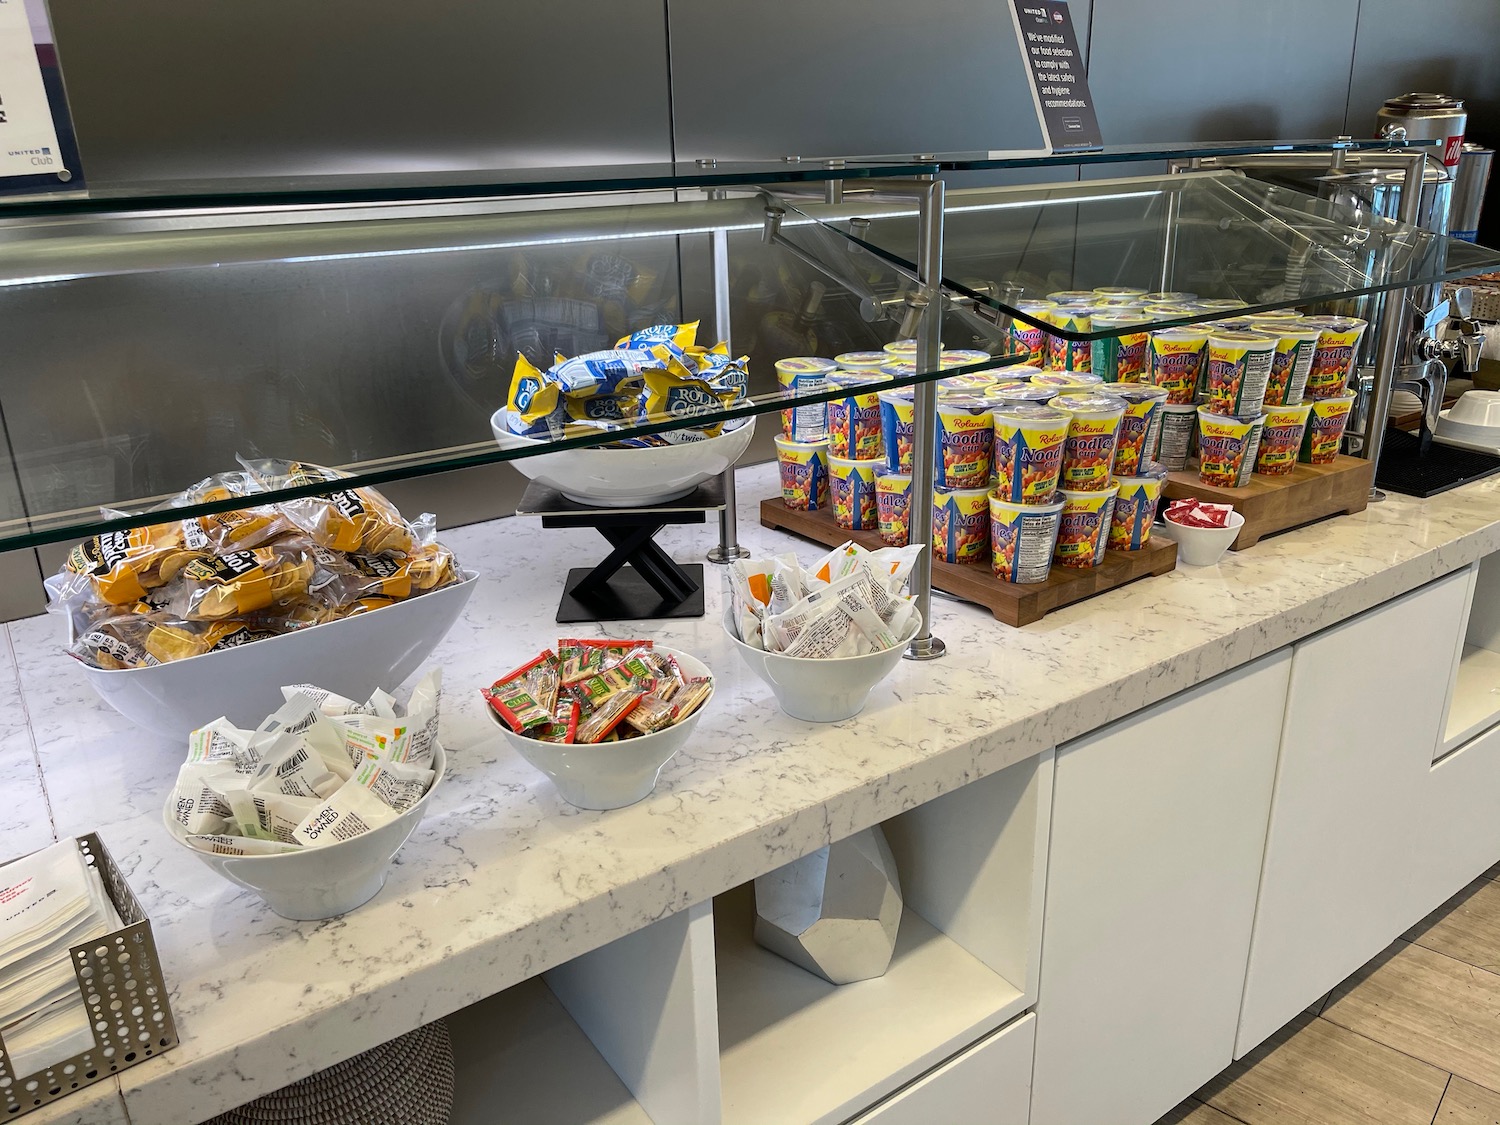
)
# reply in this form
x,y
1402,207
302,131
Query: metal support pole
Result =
x,y
1393,325
924,646
729,537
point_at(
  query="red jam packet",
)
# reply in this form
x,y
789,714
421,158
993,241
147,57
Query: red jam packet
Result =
x,y
1195,513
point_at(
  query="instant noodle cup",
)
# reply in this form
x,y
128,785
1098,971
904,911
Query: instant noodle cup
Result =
x,y
804,473
1211,303
1135,509
1030,339
804,375
898,409
1179,421
1237,368
1168,297
1070,355
964,445
902,349
1274,317
1037,394
857,361
1247,466
975,382
851,483
1280,439
1066,379
854,421
1174,359
1334,355
1089,448
893,507
1028,452
1325,429
1083,533
1223,445
963,357
1072,297
960,524
1120,291
1122,358
1022,539
1295,345
1143,404
900,369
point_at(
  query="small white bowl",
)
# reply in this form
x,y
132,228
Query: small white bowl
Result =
x,y
352,657
1201,546
820,691
625,478
610,775
326,881
1477,408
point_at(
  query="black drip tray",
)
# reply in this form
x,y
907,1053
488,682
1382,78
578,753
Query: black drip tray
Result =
x,y
1403,468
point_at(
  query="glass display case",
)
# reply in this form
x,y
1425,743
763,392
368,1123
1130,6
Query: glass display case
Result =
x,y
373,325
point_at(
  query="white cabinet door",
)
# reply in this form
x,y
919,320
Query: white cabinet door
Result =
x,y
986,1085
1158,828
1341,877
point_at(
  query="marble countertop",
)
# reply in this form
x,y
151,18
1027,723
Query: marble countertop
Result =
x,y
502,880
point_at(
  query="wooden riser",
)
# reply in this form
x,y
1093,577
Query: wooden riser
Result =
x,y
1272,504
1011,602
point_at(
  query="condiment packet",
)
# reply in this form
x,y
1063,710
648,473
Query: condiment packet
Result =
x,y
295,769
197,804
608,715
515,700
222,741
399,785
1195,513
330,703
385,740
564,726
350,811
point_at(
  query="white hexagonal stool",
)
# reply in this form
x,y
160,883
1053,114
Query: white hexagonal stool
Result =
x,y
835,912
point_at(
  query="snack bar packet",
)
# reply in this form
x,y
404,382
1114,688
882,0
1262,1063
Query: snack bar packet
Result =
x,y
371,736
237,845
301,717
399,785
268,816
423,710
608,715
292,767
836,629
351,520
244,815
330,703
197,803
1194,513
222,741
651,714
564,726
350,811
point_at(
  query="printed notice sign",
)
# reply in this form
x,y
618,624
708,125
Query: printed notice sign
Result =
x,y
33,156
1059,85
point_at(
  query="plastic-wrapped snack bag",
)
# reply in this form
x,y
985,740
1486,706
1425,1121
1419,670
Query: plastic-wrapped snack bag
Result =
x,y
241,582
357,519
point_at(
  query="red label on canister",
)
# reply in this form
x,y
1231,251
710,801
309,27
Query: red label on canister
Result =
x,y
1452,150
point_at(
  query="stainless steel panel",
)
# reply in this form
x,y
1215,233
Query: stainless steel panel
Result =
x,y
176,88
821,78
1183,70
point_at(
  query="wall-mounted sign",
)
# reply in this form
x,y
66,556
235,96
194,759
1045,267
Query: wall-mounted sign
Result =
x,y
37,150
1059,84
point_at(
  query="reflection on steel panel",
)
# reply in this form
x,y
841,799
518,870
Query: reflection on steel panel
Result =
x,y
820,78
165,89
1449,48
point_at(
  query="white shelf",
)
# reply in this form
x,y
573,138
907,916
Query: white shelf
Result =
x,y
796,1049
1476,697
520,1057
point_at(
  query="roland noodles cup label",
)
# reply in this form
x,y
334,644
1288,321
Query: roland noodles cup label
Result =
x,y
1223,444
1325,429
1179,421
803,375
1030,339
1083,534
1334,355
1174,359
1022,539
851,484
1122,358
1135,509
1281,439
893,507
960,524
1295,346
1028,452
1143,405
804,474
1089,449
854,421
965,439
1237,367
897,419
1071,355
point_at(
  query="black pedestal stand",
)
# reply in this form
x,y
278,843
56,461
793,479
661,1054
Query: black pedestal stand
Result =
x,y
637,581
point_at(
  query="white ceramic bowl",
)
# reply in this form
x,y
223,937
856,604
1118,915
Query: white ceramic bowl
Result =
x,y
625,478
820,691
326,881
352,657
1473,422
1201,546
610,775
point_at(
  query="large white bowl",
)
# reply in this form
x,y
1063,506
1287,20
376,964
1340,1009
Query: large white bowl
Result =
x,y
820,691
326,881
1201,546
627,478
352,657
610,775
1473,422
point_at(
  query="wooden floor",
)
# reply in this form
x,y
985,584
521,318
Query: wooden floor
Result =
x,y
1413,1038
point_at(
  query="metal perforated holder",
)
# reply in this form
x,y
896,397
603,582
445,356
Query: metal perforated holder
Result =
x,y
120,977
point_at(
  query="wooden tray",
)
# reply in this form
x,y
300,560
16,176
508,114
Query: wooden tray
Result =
x,y
1272,504
1011,602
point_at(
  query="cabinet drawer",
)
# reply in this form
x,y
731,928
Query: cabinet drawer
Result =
x,y
989,1084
